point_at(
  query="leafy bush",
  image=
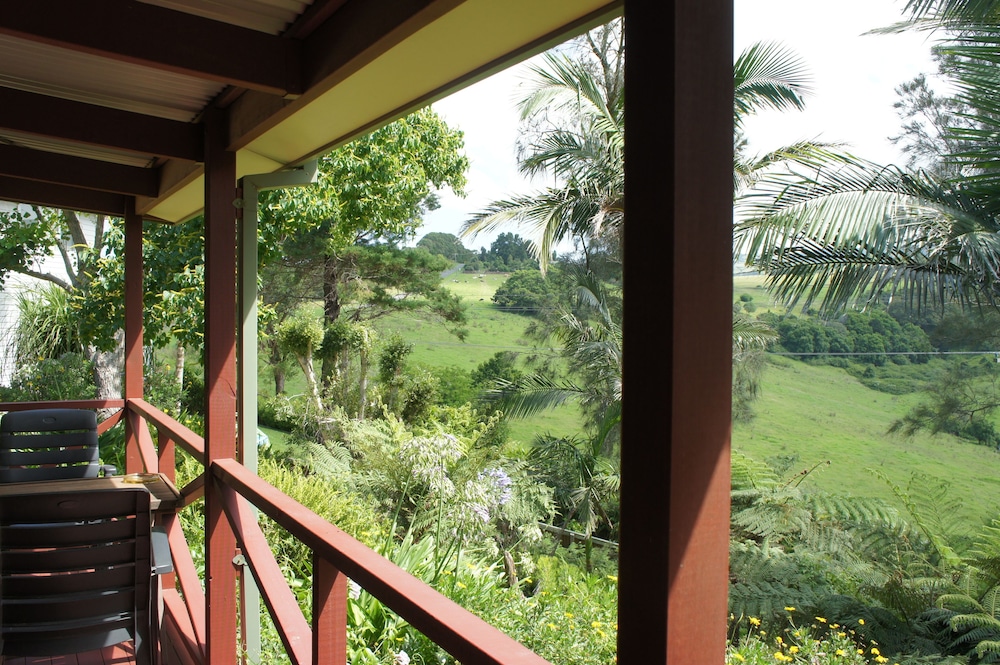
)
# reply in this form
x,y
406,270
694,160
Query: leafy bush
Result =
x,y
68,377
526,292
814,641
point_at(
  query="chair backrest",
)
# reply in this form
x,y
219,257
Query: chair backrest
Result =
x,y
48,444
75,572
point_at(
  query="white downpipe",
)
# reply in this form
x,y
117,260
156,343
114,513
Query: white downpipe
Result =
x,y
246,347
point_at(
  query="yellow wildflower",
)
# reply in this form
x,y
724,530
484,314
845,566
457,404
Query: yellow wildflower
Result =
x,y
739,657
841,652
875,651
861,621
613,578
821,619
569,615
754,621
881,659
789,609
595,624
459,585
793,649
552,626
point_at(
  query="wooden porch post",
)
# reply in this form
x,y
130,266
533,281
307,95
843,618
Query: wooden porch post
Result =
x,y
220,384
133,326
678,332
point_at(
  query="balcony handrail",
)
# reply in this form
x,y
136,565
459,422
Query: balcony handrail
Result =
x,y
183,436
458,631
336,556
64,404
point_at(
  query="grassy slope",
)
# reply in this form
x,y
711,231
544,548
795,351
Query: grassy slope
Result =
x,y
820,413
490,331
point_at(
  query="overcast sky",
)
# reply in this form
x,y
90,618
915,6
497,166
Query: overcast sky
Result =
x,y
854,80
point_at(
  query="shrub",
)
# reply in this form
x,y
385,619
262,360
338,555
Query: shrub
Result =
x,y
525,291
814,641
68,377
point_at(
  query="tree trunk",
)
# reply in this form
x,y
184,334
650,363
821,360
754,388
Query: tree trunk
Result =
x,y
277,368
279,380
363,386
331,290
179,355
306,362
108,369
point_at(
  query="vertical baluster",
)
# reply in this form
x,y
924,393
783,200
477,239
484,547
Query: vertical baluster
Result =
x,y
329,613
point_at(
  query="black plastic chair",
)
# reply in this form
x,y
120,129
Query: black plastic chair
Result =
x,y
49,444
76,572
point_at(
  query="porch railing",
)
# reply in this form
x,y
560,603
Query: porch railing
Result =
x,y
336,557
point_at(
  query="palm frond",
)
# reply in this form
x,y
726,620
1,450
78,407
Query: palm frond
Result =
x,y
767,75
530,394
833,228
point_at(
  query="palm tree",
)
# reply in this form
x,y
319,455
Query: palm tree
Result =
x,y
583,149
584,153
835,229
577,106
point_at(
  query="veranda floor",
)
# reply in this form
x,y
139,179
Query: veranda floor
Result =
x,y
121,654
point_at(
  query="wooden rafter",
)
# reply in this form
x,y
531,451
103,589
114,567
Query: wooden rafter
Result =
x,y
89,124
78,171
161,38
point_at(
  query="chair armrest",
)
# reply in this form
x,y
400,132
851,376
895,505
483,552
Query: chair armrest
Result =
x,y
109,470
162,561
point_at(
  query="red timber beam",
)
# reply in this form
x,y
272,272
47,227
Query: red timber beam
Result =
x,y
220,384
133,328
677,355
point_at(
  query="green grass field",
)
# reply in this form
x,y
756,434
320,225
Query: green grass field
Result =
x,y
811,414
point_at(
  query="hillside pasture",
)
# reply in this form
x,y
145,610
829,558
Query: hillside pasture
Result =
x,y
812,414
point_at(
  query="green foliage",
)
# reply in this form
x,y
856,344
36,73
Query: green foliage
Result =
x,y
574,123
374,187
447,245
525,291
301,335
816,641
174,278
570,617
454,385
47,325
502,366
870,335
420,392
68,377
510,252
959,400
26,235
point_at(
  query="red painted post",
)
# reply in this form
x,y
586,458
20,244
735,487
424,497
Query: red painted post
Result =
x,y
329,630
167,457
673,577
133,326
220,384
